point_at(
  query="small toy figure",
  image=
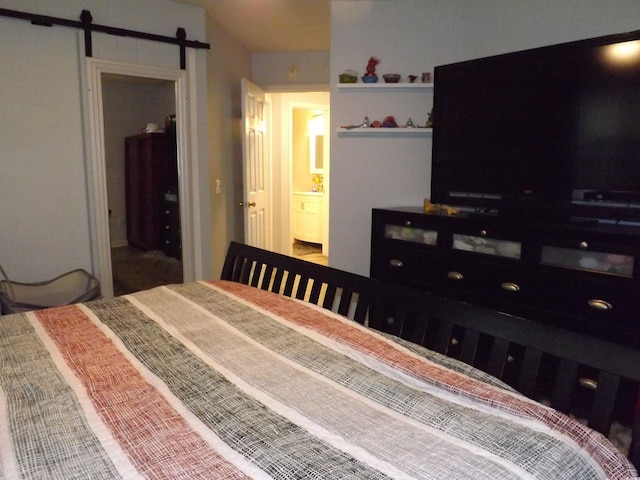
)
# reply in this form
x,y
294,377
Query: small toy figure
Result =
x,y
371,67
389,122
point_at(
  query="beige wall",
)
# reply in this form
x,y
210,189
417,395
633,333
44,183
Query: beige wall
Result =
x,y
227,63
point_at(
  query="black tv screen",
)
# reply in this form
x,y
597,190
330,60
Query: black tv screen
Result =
x,y
552,131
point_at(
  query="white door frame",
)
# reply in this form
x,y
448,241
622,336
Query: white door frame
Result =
x,y
96,170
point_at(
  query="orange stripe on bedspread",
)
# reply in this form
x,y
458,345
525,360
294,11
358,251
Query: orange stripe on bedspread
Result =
x,y
613,462
158,441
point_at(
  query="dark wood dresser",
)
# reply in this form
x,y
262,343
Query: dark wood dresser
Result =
x,y
151,188
581,277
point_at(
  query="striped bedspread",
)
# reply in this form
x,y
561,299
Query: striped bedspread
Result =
x,y
221,380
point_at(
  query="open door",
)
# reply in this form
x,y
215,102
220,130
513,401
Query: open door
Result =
x,y
256,164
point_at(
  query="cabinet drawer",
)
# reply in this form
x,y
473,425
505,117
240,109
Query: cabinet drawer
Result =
x,y
411,234
607,304
421,229
588,260
403,264
310,206
487,246
594,307
488,281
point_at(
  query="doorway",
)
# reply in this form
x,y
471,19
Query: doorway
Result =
x,y
301,190
187,137
308,159
144,218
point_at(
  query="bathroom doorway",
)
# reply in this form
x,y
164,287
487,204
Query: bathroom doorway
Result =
x,y
309,212
301,165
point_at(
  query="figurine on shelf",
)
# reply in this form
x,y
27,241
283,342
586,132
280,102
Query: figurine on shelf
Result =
x,y
389,122
430,119
365,124
371,76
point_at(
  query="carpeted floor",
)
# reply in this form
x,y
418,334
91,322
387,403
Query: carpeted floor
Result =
x,y
135,270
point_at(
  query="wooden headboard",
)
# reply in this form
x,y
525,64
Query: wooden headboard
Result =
x,y
575,374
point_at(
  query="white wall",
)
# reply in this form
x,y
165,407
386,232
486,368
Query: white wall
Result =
x,y
290,68
412,36
228,62
44,224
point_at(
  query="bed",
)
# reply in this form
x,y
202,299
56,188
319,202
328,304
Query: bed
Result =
x,y
282,369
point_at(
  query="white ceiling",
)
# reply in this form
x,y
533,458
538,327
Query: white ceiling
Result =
x,y
273,25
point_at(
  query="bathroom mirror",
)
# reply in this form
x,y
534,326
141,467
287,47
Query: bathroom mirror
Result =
x,y
316,153
316,143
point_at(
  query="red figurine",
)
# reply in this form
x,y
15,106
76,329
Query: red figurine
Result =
x,y
371,67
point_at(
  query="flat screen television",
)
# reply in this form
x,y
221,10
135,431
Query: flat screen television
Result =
x,y
552,132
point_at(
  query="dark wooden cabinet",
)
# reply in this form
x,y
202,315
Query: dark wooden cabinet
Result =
x,y
584,278
150,173
171,237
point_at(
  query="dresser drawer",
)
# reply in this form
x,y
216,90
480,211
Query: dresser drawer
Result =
x,y
593,306
611,306
398,263
170,231
497,284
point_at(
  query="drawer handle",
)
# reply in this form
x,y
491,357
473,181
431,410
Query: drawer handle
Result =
x,y
600,304
396,263
454,276
510,287
588,383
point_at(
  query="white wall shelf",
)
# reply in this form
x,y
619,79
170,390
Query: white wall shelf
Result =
x,y
385,86
385,132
